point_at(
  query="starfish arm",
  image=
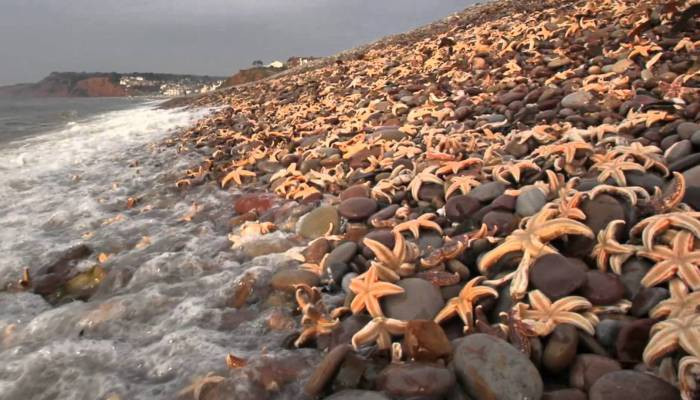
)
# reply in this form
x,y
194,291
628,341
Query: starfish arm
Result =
x,y
571,303
660,272
381,252
520,281
650,231
562,226
689,338
448,311
690,274
373,307
491,257
365,335
576,320
538,300
658,346
358,303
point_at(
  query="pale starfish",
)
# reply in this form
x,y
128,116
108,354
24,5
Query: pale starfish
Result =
x,y
680,304
455,166
688,376
501,172
463,304
542,316
199,383
656,224
368,289
631,193
414,225
237,175
316,268
314,320
648,155
568,206
616,169
425,176
379,330
532,242
609,251
568,149
667,336
391,264
680,260
462,183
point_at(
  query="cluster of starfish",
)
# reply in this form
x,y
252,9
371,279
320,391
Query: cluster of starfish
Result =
x,y
421,126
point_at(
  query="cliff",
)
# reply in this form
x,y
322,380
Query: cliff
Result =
x,y
250,75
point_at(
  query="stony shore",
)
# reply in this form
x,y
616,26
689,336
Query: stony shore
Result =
x,y
498,206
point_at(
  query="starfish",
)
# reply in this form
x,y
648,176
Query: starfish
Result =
x,y
655,224
667,336
199,383
379,330
501,172
414,225
670,197
568,149
236,175
462,183
532,242
368,289
629,192
539,133
681,260
680,304
384,189
609,251
463,304
643,49
424,176
542,316
291,170
615,169
455,166
314,320
649,155
318,268
688,376
568,206
390,264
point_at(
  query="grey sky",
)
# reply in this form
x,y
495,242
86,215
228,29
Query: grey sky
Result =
x,y
215,37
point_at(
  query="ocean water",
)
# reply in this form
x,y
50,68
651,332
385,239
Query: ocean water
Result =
x,y
162,316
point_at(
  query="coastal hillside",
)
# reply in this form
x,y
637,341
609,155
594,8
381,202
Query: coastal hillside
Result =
x,y
81,84
510,191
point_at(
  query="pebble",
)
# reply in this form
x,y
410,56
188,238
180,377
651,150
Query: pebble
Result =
x,y
633,270
429,241
325,370
357,208
420,300
686,129
503,221
588,368
50,277
347,278
286,279
258,202
317,222
565,394
343,253
599,212
607,330
490,368
692,176
678,150
415,380
560,350
530,202
632,385
425,340
686,163
316,250
602,288
355,394
360,190
632,339
557,276
646,299
350,373
646,180
460,208
695,139
577,101
487,191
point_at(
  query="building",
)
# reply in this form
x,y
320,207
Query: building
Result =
x,y
276,64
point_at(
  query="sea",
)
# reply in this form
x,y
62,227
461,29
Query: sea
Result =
x,y
161,318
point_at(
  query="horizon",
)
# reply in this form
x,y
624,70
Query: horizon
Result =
x,y
188,37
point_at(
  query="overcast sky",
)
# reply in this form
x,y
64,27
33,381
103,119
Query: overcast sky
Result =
x,y
215,37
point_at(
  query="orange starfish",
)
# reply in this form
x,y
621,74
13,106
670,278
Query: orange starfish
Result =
x,y
681,259
542,316
368,290
463,304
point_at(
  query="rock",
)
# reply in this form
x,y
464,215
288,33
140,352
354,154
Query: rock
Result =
x,y
646,299
286,279
317,222
588,368
258,202
599,212
686,129
51,277
686,163
692,197
695,139
602,288
490,368
350,373
692,176
619,67
360,190
632,385
316,250
530,202
415,380
420,300
565,394
646,180
425,340
577,101
504,202
557,276
429,241
633,270
504,221
355,394
487,191
334,273
390,134
343,253
678,150
632,339
326,369
357,208
607,330
460,208
560,350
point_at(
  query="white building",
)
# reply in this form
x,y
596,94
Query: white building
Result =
x,y
275,64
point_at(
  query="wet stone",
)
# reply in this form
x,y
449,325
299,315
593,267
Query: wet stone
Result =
x,y
285,280
343,253
354,394
632,273
326,369
460,208
560,350
646,180
686,129
490,368
317,222
412,380
420,300
646,299
632,339
257,202
602,288
425,340
577,101
429,241
607,330
678,150
505,222
692,176
632,385
357,208
350,373
359,190
316,250
487,191
687,163
565,394
557,276
530,202
588,368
